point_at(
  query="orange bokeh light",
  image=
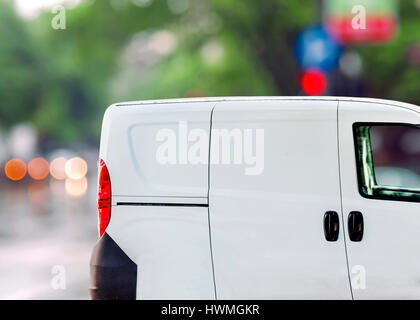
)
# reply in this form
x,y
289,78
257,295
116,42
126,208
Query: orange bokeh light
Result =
x,y
57,168
15,169
76,168
38,168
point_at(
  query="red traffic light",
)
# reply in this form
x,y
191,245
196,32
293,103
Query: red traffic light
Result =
x,y
313,82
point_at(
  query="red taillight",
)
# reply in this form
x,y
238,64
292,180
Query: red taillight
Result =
x,y
104,197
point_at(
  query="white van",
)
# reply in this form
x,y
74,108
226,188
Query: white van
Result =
x,y
259,198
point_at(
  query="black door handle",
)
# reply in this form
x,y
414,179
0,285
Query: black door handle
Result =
x,y
331,226
356,226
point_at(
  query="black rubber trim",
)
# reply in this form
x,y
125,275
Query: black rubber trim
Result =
x,y
144,204
113,275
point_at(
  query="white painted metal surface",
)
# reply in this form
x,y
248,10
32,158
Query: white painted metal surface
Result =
x,y
129,145
267,230
171,248
389,251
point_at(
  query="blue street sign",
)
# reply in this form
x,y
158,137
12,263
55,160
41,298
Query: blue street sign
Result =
x,y
314,49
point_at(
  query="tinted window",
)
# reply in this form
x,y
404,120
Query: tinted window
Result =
x,y
388,159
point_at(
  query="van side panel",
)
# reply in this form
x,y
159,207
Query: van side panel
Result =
x,y
267,229
132,137
159,213
171,248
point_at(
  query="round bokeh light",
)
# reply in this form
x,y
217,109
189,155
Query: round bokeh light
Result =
x,y
38,168
15,169
57,168
76,168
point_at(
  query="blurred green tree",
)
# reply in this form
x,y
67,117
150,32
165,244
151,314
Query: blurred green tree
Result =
x,y
111,50
20,69
387,71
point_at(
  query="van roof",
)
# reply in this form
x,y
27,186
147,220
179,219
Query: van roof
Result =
x,y
269,98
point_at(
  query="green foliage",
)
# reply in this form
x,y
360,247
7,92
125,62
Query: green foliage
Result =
x,y
62,80
20,71
387,71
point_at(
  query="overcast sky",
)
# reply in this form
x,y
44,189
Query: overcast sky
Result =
x,y
31,8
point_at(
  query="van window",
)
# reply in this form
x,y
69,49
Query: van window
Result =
x,y
388,161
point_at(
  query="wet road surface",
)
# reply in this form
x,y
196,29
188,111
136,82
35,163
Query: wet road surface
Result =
x,y
46,236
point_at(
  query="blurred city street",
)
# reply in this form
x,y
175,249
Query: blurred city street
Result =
x,y
41,226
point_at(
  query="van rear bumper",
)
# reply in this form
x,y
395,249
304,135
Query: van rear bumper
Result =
x,y
113,275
